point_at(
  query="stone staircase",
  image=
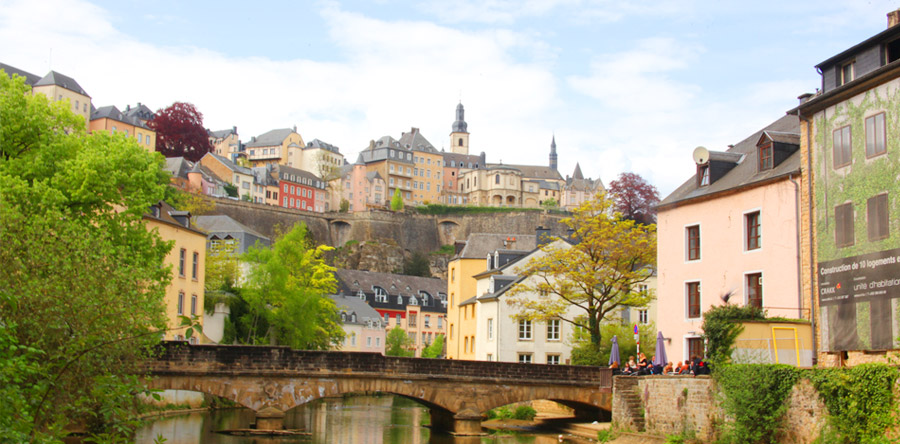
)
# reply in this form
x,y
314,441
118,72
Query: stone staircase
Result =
x,y
627,398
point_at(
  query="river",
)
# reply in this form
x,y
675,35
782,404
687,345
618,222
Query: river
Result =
x,y
352,420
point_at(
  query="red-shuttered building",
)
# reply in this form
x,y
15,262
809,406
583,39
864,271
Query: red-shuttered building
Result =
x,y
299,189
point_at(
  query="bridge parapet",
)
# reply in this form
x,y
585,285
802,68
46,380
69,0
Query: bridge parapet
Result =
x,y
182,358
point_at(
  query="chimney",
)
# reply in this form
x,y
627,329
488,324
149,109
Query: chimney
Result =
x,y
234,129
804,97
295,128
893,18
127,107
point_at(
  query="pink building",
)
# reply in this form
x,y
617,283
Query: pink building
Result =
x,y
731,232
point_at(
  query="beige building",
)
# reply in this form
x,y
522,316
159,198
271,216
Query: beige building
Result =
x,y
282,146
363,190
322,159
393,163
226,143
184,295
109,119
57,87
579,190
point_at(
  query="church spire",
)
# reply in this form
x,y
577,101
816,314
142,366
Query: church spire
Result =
x,y
553,157
459,126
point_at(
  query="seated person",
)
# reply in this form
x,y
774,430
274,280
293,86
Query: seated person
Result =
x,y
667,369
615,368
631,367
655,369
642,365
684,368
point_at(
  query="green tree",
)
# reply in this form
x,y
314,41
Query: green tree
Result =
x,y
584,352
287,288
435,349
230,190
81,303
345,206
398,343
721,327
550,203
417,265
397,201
598,275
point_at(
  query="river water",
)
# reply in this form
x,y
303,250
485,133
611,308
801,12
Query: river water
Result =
x,y
352,420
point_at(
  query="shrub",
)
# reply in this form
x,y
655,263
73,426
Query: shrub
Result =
x,y
721,328
860,402
754,398
524,412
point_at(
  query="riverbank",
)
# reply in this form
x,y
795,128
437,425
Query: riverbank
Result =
x,y
569,431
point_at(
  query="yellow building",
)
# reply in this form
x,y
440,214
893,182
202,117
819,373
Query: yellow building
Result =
x,y
393,163
184,295
226,143
427,167
282,146
471,260
58,88
110,119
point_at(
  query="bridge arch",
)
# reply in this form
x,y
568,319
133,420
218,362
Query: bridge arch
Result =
x,y
340,232
448,230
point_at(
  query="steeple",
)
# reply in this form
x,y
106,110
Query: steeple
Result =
x,y
553,153
459,126
577,174
459,138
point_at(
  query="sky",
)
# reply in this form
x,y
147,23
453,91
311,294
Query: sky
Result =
x,y
623,86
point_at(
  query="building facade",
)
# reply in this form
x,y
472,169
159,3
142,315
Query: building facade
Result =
x,y
730,234
851,260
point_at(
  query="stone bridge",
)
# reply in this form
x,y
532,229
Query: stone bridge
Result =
x,y
272,380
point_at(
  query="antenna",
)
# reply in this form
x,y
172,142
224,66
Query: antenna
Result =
x,y
701,155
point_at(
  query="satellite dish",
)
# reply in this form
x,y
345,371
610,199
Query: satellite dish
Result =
x,y
701,155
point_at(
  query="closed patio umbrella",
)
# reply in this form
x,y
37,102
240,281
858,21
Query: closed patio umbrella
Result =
x,y
661,358
614,352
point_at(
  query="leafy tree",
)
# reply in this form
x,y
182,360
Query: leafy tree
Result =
x,y
635,198
584,352
598,275
286,289
81,303
180,132
721,327
230,190
435,349
195,203
398,343
417,265
550,203
345,206
397,201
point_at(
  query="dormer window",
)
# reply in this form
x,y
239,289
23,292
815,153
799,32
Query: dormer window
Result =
x,y
361,295
399,300
413,300
703,175
765,157
353,318
846,73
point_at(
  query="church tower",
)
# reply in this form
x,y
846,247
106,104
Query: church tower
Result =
x,y
553,153
459,138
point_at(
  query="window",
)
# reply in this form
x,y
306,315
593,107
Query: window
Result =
x,y
847,73
440,323
553,359
180,307
353,339
524,330
413,321
193,305
427,321
695,347
693,300
703,175
553,327
877,217
181,259
841,148
843,225
693,242
490,357
466,346
765,157
377,342
368,341
195,265
497,179
875,136
751,221
387,318
490,329
754,290
644,316
524,358
147,139
398,318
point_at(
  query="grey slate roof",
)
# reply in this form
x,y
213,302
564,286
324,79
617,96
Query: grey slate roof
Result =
x,y
230,165
224,227
316,143
414,140
746,172
55,78
271,138
140,112
396,285
501,284
478,245
178,166
355,305
311,179
533,171
111,112
30,79
463,160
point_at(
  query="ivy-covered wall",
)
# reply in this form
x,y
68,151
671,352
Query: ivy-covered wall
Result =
x,y
859,284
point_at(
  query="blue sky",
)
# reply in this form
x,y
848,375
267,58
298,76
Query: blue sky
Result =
x,y
623,85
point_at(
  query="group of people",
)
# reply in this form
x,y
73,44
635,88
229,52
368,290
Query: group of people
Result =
x,y
695,366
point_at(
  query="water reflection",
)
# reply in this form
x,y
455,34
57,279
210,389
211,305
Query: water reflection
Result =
x,y
353,420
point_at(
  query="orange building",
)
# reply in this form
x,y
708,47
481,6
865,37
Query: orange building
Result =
x,y
110,119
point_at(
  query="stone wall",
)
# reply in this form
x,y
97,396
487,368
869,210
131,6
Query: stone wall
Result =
x,y
676,404
411,232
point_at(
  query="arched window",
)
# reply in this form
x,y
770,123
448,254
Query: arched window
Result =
x,y
497,179
380,295
460,141
343,317
353,318
399,299
425,298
